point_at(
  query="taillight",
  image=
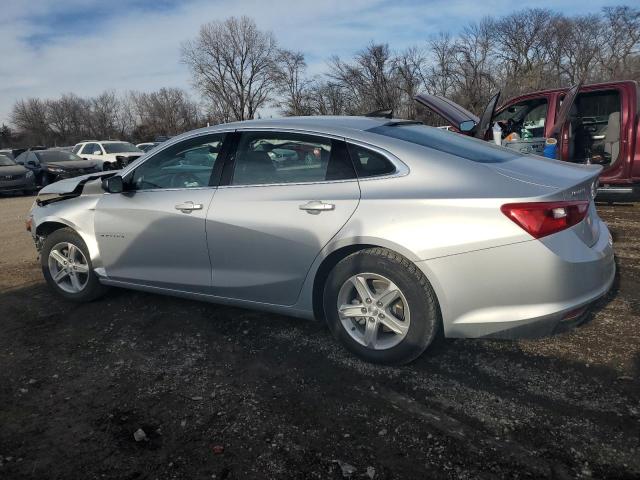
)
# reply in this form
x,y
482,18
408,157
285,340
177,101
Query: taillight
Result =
x,y
540,219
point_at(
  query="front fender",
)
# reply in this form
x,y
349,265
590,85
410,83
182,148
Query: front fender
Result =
x,y
77,213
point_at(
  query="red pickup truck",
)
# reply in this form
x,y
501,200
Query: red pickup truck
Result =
x,y
593,124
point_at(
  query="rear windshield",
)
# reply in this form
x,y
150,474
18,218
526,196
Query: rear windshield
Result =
x,y
47,156
448,142
120,147
6,161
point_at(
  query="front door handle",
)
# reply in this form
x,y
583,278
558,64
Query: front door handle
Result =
x,y
188,207
316,206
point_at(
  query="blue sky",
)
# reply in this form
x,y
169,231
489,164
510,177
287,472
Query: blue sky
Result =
x,y
50,47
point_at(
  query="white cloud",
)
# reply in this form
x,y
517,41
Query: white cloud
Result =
x,y
139,49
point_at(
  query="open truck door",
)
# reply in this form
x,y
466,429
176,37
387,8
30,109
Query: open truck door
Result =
x,y
459,117
563,129
488,114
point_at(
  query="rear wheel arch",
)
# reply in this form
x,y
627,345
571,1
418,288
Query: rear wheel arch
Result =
x,y
333,259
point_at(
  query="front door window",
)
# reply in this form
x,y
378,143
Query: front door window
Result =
x,y
525,119
187,164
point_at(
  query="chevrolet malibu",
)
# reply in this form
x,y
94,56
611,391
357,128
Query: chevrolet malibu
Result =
x,y
393,232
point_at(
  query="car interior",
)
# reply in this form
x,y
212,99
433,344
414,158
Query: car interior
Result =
x,y
529,115
281,159
594,129
181,166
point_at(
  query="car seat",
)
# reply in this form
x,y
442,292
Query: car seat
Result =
x,y
254,167
612,136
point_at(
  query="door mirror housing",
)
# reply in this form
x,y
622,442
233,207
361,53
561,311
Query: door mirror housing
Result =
x,y
31,163
467,126
113,184
97,152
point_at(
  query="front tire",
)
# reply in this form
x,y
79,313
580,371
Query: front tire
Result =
x,y
381,307
66,266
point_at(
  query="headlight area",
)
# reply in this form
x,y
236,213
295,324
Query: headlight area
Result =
x,y
55,170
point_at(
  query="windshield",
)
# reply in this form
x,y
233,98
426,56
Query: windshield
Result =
x,y
448,142
47,156
6,161
120,147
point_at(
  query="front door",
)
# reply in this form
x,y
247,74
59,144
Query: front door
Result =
x,y
154,232
286,196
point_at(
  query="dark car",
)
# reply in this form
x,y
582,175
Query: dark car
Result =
x,y
14,177
52,165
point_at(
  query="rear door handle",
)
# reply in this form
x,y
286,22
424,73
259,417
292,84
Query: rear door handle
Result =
x,y
316,206
188,207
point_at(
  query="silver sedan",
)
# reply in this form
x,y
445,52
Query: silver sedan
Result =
x,y
391,231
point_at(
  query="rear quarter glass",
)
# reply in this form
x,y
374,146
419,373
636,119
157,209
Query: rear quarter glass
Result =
x,y
448,142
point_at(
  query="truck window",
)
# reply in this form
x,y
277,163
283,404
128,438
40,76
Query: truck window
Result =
x,y
595,125
526,118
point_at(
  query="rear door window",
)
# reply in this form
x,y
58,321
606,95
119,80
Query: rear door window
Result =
x,y
264,158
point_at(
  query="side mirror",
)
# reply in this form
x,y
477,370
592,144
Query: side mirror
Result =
x,y
31,163
113,184
467,126
97,152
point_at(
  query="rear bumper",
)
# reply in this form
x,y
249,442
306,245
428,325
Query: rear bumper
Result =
x,y
522,290
622,193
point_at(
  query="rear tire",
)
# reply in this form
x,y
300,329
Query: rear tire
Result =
x,y
398,317
68,270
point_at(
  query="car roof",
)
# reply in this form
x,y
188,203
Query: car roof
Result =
x,y
330,125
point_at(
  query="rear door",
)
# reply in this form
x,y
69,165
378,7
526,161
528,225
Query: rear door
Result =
x,y
283,196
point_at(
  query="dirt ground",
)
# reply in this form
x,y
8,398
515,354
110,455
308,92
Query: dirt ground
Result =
x,y
222,392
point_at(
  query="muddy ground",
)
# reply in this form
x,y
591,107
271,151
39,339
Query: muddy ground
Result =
x,y
223,392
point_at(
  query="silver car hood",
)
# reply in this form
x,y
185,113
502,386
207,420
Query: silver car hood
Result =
x,y
69,185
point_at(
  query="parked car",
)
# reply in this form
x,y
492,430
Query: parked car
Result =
x,y
108,154
14,177
12,153
593,124
49,166
404,231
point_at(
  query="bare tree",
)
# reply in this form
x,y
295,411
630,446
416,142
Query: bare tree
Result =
x,y
232,65
441,76
409,66
168,111
293,85
30,116
369,81
621,42
475,69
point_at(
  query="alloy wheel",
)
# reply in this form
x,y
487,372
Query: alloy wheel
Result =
x,y
374,311
68,267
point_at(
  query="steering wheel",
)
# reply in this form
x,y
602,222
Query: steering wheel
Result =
x,y
181,179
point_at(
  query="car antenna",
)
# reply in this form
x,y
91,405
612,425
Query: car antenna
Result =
x,y
384,113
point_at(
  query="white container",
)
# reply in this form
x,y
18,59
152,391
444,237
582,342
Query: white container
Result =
x,y
497,134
